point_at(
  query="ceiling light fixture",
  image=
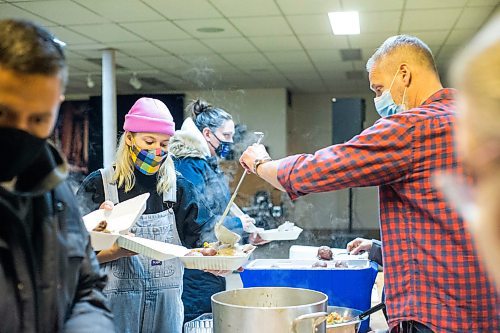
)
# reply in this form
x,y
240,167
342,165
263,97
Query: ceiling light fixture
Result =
x,y
59,42
90,82
210,29
135,82
344,23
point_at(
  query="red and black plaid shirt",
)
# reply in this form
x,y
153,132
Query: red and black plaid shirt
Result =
x,y
432,273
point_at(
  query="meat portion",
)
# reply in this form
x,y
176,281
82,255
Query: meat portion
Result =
x,y
101,227
341,264
325,253
209,252
320,264
216,249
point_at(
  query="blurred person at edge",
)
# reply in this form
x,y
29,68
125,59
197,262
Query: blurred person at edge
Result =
x,y
434,280
476,73
205,137
49,277
145,294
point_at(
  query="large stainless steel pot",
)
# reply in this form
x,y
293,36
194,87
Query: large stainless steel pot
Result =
x,y
269,310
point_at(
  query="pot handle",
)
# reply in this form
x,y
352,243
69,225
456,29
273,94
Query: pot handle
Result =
x,y
318,317
371,310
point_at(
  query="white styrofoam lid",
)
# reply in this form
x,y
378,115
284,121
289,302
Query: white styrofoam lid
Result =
x,y
152,248
275,234
121,218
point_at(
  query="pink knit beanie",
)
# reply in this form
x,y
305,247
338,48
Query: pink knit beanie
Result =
x,y
149,115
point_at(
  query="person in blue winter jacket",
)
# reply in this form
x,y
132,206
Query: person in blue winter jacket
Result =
x,y
205,137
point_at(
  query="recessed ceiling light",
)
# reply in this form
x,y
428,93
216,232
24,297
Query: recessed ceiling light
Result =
x,y
210,29
344,23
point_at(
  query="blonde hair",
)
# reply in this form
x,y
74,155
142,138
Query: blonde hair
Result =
x,y
476,73
124,169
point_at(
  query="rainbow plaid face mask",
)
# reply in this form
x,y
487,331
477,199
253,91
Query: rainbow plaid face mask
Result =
x,y
147,161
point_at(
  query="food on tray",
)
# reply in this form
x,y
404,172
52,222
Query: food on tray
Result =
x,y
228,252
101,227
325,253
194,254
341,264
218,249
319,264
209,251
335,318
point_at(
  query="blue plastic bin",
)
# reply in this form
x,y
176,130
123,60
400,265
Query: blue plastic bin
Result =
x,y
345,287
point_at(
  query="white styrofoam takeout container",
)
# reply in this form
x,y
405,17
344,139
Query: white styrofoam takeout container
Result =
x,y
125,214
307,264
120,219
152,248
275,234
311,252
216,263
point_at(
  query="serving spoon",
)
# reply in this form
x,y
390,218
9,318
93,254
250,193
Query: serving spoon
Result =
x,y
223,234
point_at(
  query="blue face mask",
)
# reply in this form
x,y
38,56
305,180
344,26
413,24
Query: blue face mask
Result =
x,y
385,105
223,149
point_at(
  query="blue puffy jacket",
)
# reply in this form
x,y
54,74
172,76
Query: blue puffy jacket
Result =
x,y
189,152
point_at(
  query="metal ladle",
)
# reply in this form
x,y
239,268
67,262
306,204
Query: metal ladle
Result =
x,y
223,234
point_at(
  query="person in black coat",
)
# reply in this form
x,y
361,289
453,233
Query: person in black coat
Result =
x,y
49,276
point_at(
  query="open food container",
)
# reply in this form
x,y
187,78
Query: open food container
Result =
x,y
311,253
286,231
218,262
119,220
124,215
346,320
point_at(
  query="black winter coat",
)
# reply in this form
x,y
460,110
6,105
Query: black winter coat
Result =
x,y
49,277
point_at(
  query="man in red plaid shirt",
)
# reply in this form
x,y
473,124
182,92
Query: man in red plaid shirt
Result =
x,y
434,280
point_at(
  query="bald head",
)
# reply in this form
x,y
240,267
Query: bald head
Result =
x,y
402,49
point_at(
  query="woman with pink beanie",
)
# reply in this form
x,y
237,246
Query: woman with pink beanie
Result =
x,y
145,294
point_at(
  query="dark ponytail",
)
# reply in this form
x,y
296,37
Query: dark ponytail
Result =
x,y
206,115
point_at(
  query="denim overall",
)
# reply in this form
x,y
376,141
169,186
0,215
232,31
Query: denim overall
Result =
x,y
145,294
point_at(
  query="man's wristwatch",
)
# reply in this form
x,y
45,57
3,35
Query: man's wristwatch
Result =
x,y
258,162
